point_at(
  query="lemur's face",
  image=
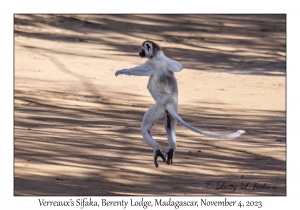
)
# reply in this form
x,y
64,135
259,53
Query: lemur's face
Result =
x,y
147,50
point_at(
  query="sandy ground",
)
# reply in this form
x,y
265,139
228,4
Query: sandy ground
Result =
x,y
77,126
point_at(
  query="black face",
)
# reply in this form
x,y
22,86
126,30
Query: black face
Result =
x,y
142,53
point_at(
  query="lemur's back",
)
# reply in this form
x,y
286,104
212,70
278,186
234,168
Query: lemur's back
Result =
x,y
162,83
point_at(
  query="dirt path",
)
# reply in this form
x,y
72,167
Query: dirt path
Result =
x,y
77,126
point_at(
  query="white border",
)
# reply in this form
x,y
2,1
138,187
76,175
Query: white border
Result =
x,y
8,201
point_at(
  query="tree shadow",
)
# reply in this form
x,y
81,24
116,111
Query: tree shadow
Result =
x,y
63,150
68,143
239,44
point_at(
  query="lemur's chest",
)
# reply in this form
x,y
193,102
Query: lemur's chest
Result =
x,y
162,84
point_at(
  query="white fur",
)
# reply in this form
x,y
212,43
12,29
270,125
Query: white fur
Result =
x,y
163,87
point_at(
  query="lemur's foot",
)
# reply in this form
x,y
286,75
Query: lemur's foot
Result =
x,y
160,154
170,156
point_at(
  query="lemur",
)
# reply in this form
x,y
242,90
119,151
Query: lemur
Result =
x,y
162,85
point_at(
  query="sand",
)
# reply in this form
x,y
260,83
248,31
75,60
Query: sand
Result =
x,y
77,126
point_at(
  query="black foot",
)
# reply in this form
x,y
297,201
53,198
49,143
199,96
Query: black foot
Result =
x,y
170,155
160,154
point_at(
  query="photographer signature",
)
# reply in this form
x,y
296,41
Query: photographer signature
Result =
x,y
224,185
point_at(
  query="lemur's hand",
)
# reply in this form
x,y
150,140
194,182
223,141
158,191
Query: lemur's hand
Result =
x,y
119,72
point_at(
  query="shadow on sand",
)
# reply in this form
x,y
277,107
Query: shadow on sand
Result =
x,y
241,44
73,149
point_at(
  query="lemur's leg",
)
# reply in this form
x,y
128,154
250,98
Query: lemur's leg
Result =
x,y
170,126
151,116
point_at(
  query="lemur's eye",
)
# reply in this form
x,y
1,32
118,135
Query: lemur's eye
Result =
x,y
148,46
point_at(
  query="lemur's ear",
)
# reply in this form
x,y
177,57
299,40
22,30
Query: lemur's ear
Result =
x,y
174,66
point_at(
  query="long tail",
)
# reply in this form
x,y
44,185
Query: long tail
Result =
x,y
171,110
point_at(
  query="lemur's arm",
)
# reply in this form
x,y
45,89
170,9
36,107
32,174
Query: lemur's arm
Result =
x,y
142,70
